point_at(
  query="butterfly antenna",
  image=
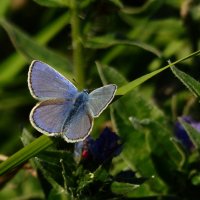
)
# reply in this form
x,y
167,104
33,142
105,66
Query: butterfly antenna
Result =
x,y
75,82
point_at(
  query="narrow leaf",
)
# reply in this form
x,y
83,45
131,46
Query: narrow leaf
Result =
x,y
111,40
124,189
53,3
192,132
192,84
16,62
131,85
25,153
134,191
110,75
33,51
4,6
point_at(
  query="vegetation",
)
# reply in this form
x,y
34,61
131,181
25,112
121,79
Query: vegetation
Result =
x,y
146,145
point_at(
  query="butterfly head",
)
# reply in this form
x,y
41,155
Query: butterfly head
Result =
x,y
86,91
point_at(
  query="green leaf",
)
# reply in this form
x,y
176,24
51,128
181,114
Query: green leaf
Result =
x,y
133,9
118,3
196,179
49,184
111,40
192,132
53,3
167,157
11,101
101,174
57,166
58,193
125,189
11,66
133,84
53,28
62,3
188,81
144,130
4,5
136,149
132,190
26,137
25,153
33,51
110,75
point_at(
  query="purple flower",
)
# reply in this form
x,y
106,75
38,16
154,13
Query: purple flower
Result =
x,y
182,135
101,150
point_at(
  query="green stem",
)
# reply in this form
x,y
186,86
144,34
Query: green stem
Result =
x,y
77,46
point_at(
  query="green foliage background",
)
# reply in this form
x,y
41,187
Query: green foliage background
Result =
x,y
107,41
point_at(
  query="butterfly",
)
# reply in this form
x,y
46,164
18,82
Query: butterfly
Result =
x,y
63,110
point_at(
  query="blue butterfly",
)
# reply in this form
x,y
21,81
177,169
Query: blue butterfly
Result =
x,y
63,110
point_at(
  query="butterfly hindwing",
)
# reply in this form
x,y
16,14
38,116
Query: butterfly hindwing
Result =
x,y
78,127
49,116
46,83
100,98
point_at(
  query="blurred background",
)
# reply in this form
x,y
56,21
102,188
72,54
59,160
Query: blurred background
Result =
x,y
134,37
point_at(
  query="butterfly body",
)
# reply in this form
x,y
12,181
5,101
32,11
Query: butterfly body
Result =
x,y
82,98
63,110
80,103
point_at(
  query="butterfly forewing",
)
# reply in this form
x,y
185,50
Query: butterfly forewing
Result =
x,y
46,83
49,116
100,98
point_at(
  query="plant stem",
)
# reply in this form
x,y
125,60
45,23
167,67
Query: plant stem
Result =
x,y
77,46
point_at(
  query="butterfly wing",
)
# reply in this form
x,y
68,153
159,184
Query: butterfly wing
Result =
x,y
100,98
49,116
46,83
79,126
